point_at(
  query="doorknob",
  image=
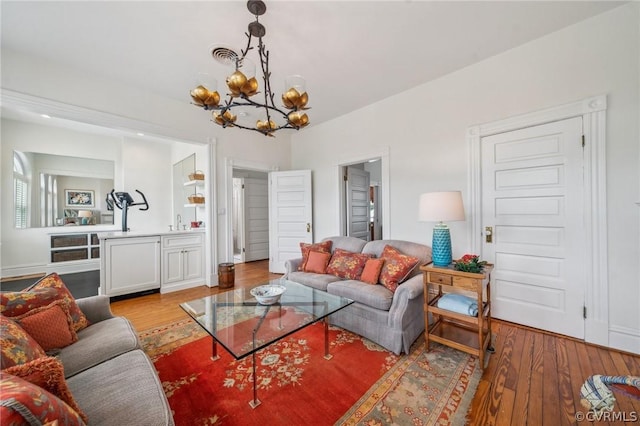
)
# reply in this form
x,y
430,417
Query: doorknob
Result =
x,y
488,234
308,227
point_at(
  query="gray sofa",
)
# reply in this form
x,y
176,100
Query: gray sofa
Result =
x,y
111,378
391,319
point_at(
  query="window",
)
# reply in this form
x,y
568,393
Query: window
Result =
x,y
21,192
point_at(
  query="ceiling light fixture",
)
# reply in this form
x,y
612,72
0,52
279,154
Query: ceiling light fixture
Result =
x,y
243,86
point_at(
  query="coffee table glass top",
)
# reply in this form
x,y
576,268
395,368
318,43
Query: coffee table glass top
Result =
x,y
238,322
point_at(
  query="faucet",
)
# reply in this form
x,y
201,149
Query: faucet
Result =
x,y
179,222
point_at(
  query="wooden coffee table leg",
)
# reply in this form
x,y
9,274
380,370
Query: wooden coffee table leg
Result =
x,y
327,355
214,356
255,401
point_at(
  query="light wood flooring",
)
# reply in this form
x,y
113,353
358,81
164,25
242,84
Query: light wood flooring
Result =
x,y
533,378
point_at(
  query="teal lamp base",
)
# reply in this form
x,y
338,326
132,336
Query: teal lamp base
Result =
x,y
441,246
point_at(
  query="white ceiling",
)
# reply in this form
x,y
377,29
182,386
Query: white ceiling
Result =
x,y
352,53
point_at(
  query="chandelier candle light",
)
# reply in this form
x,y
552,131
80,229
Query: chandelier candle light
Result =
x,y
243,86
440,207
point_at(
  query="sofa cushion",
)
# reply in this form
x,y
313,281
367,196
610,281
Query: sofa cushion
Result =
x,y
371,271
318,281
317,262
55,282
397,267
17,346
351,244
51,326
375,296
346,264
22,402
47,373
122,391
323,247
97,343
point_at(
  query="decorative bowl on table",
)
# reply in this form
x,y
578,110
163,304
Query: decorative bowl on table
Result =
x,y
267,294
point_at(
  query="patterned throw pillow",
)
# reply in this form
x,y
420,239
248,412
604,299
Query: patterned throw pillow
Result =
x,y
51,326
371,271
17,347
54,281
14,303
317,262
23,402
347,265
48,373
324,247
397,267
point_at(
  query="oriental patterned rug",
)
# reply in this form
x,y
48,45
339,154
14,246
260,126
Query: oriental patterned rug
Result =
x,y
363,384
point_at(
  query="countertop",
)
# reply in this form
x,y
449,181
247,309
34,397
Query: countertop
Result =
x,y
134,234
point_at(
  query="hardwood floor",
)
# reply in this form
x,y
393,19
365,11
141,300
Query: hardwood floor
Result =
x,y
533,378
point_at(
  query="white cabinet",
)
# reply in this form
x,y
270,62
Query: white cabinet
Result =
x,y
182,261
130,265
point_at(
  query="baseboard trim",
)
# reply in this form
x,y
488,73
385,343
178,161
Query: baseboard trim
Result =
x,y
625,339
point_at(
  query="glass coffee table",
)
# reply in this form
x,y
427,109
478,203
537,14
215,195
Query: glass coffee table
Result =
x,y
243,326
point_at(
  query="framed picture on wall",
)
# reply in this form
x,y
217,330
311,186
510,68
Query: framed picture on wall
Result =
x,y
79,198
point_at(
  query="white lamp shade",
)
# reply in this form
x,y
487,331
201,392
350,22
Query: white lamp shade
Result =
x,y
441,207
84,213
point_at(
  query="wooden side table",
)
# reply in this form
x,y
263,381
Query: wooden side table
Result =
x,y
463,332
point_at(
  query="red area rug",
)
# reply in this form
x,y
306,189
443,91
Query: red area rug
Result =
x,y
361,384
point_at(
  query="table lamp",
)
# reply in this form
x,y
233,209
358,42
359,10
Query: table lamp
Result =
x,y
440,207
84,216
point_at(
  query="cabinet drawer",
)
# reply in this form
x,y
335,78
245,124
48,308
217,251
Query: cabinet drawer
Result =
x,y
436,278
181,241
466,283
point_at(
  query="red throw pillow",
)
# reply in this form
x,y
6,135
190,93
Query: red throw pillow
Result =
x,y
371,271
48,373
397,267
347,265
16,346
317,262
51,326
324,247
22,402
14,303
54,281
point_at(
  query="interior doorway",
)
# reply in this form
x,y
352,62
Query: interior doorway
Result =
x,y
361,194
250,215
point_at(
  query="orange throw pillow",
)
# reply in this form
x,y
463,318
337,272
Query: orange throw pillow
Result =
x,y
54,281
324,247
51,326
397,267
346,264
48,373
317,262
371,271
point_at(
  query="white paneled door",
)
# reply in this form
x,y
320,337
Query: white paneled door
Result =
x,y
357,191
533,199
290,206
256,219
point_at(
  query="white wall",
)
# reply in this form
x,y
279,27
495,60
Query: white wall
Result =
x,y
424,130
139,164
149,114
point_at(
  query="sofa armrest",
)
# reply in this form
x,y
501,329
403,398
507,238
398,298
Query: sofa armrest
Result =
x,y
95,308
408,290
291,265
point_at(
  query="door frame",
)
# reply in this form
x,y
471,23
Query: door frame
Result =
x,y
383,155
230,164
593,113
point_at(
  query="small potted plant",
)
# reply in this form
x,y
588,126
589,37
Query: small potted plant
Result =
x,y
469,263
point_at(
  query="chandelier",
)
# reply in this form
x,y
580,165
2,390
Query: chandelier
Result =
x,y
244,90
